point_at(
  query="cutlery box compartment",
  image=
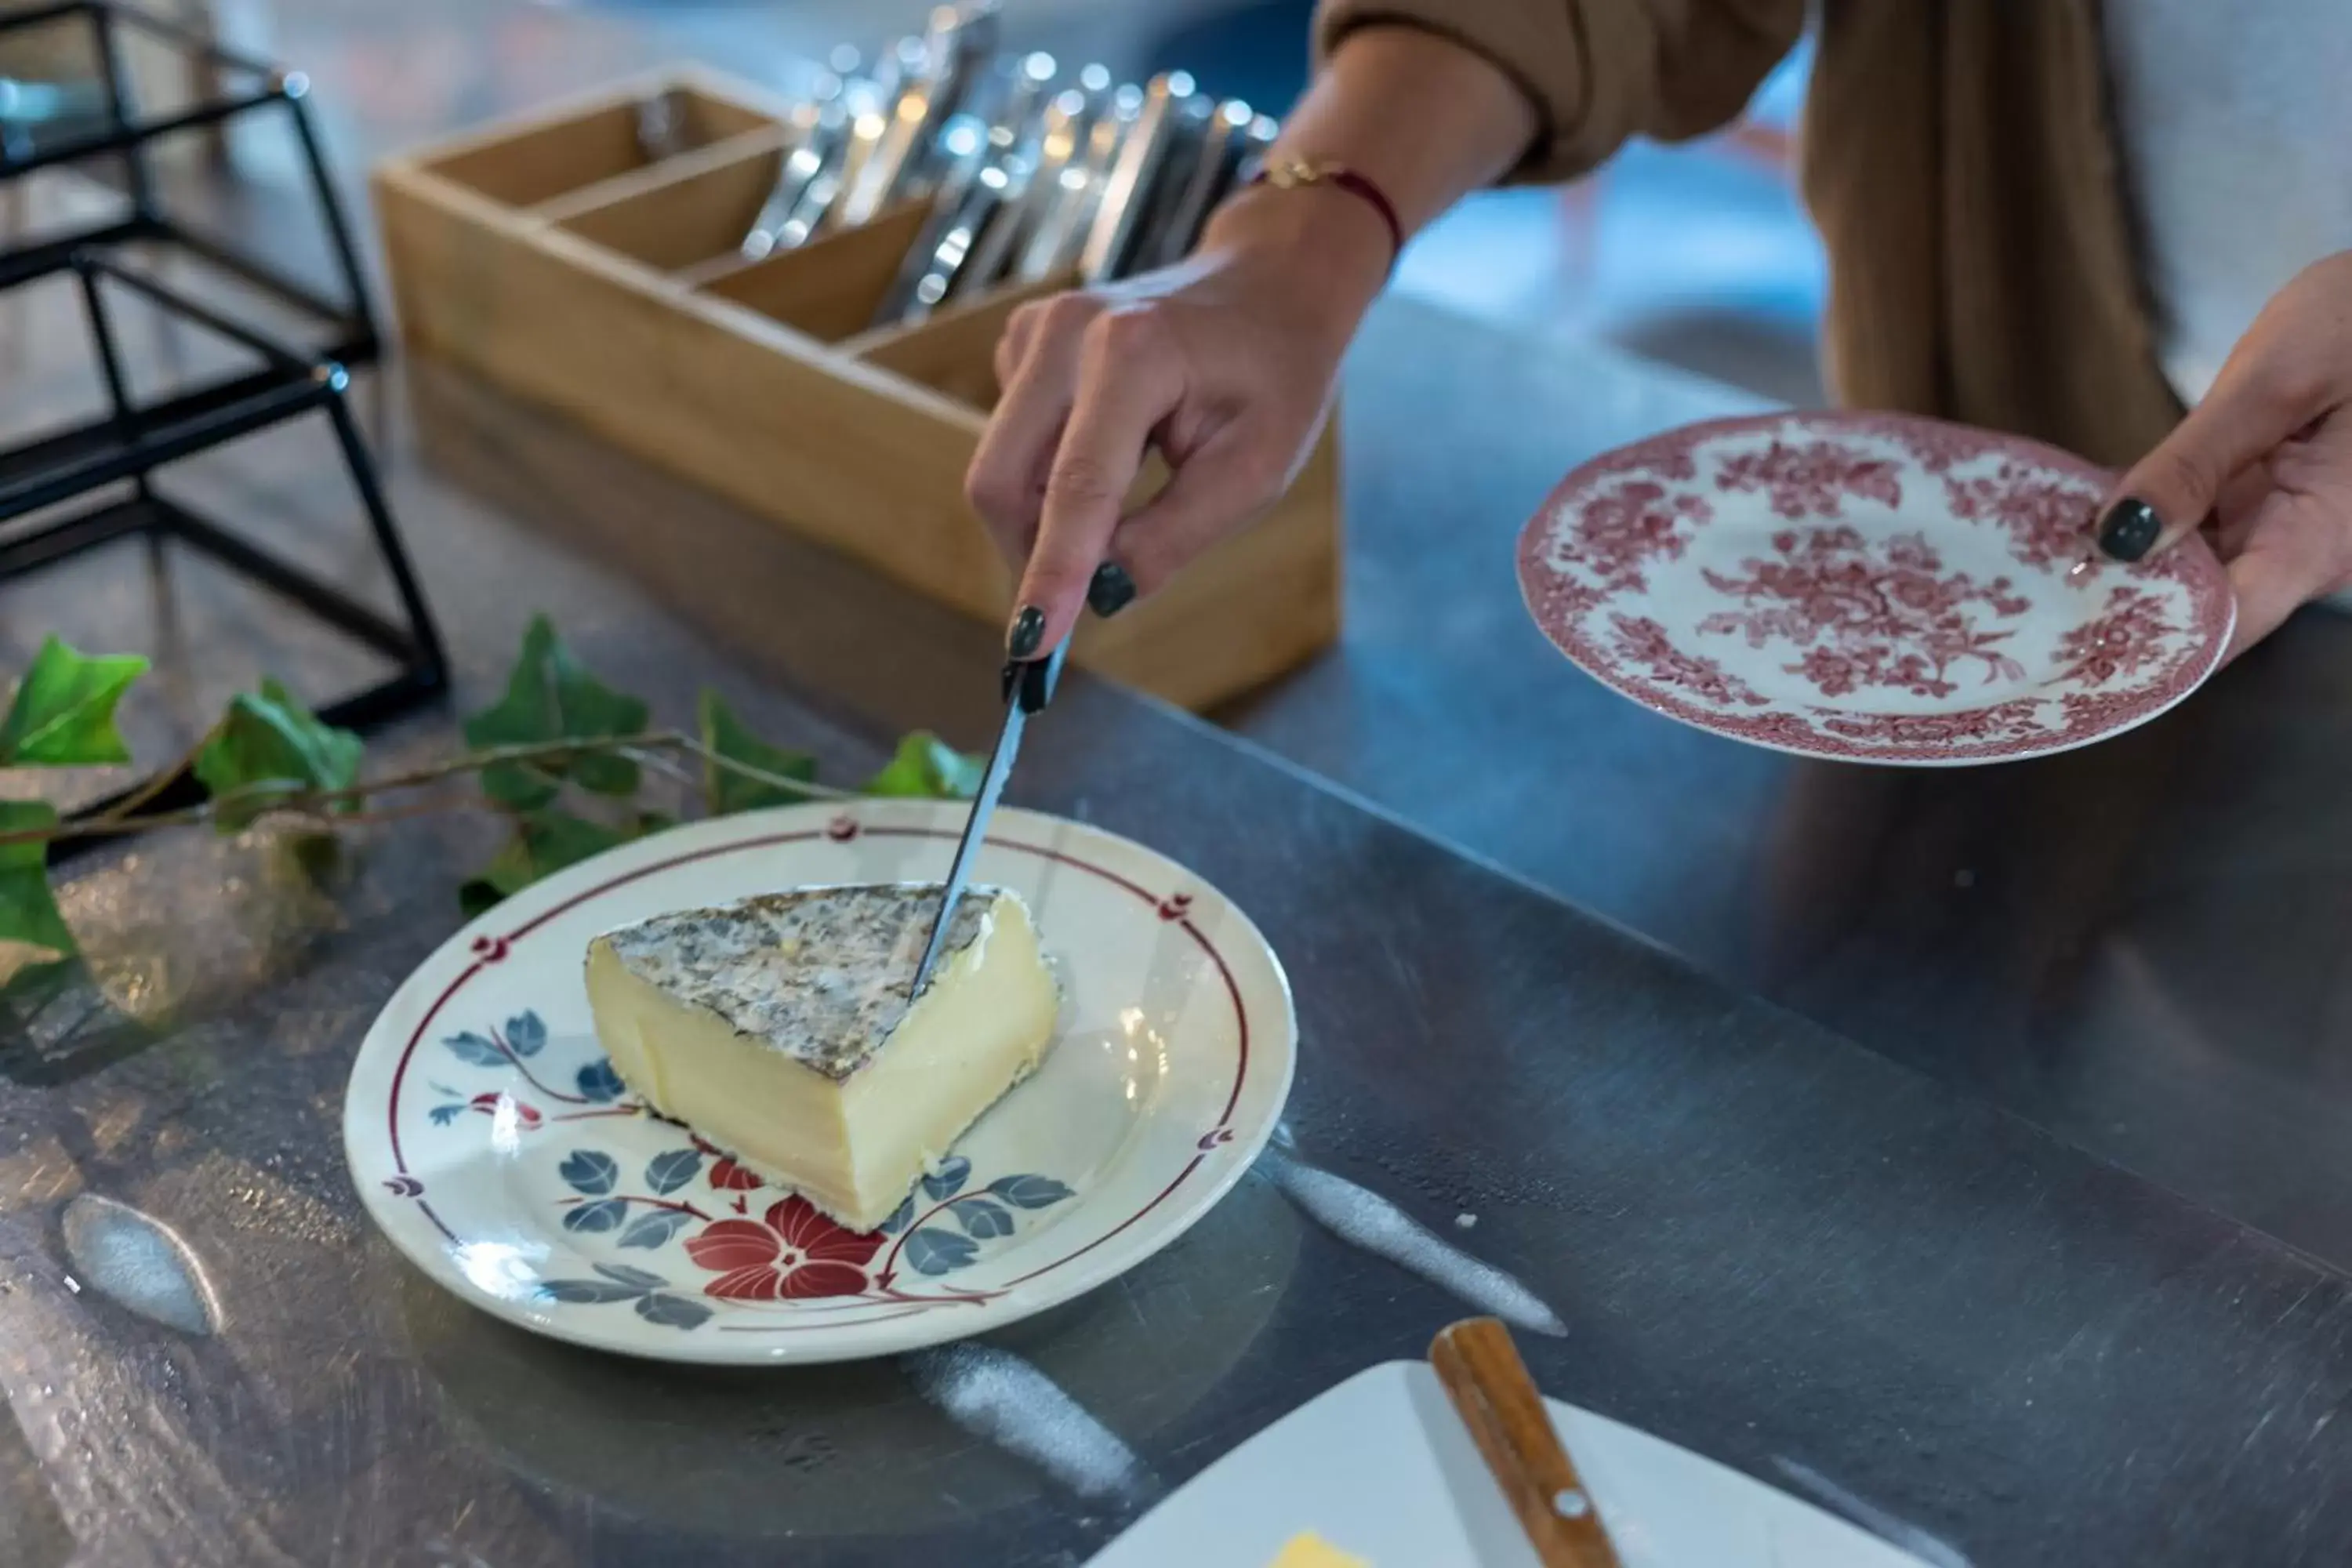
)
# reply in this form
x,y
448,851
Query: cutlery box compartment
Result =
x,y
550,256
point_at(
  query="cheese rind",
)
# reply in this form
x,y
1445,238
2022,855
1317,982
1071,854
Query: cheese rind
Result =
x,y
778,1029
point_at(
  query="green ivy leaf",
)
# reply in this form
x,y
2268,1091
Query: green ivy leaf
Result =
x,y
63,715
551,697
928,768
28,906
509,871
724,792
544,843
267,736
557,840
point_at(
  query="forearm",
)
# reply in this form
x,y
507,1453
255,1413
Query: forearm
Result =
x,y
1423,118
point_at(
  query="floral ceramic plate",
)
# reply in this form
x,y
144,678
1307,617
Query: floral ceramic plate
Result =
x,y
1868,587
492,1140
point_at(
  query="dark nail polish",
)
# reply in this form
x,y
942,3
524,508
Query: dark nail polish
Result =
x,y
2129,530
1111,591
1028,631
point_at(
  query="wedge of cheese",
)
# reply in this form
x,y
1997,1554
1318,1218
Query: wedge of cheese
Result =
x,y
780,1029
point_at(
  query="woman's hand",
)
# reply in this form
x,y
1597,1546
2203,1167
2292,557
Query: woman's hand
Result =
x,y
2265,460
1224,362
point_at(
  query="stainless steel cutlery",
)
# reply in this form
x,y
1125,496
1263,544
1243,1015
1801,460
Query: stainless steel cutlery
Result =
x,y
1030,174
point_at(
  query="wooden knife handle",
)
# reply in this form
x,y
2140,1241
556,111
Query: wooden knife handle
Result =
x,y
1483,1375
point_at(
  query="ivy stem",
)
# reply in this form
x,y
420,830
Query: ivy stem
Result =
x,y
292,797
161,781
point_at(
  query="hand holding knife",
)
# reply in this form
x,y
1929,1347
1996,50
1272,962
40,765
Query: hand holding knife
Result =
x,y
1028,687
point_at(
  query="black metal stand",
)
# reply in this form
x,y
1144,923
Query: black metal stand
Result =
x,y
142,440
120,129
126,445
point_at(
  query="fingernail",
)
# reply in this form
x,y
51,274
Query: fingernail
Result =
x,y
1028,631
2129,530
1111,591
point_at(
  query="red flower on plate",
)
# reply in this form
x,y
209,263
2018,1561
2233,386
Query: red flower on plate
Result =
x,y
491,1101
2130,635
792,1254
729,1174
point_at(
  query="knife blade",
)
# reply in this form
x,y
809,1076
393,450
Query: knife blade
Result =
x,y
1028,687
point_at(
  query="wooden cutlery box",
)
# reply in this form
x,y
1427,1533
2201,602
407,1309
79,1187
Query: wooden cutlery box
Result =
x,y
549,257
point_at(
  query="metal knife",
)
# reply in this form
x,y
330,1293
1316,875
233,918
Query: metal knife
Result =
x,y
874,106
1188,126
863,99
961,210
986,207
1061,232
946,66
1201,185
1125,198
660,131
1028,687
815,199
964,148
818,126
1014,139
998,229
1030,89
1053,181
1000,236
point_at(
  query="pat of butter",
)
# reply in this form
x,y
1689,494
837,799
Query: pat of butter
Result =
x,y
1311,1551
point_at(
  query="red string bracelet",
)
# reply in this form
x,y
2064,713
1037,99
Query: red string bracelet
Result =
x,y
1291,173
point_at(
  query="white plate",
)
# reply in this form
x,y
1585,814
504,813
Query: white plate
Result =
x,y
490,1140
1869,587
1381,1467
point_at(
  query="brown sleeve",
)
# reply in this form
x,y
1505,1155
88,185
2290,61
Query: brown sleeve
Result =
x,y
1600,71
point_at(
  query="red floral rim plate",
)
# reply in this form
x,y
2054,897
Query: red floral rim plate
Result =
x,y
1869,587
495,1146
